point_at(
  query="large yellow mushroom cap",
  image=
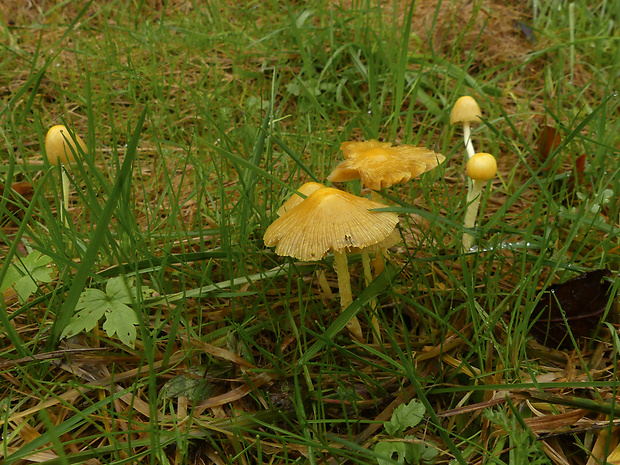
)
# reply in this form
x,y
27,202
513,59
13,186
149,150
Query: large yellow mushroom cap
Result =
x,y
306,189
60,145
380,164
329,220
465,110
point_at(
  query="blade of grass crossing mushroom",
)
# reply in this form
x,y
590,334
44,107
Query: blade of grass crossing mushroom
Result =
x,y
97,238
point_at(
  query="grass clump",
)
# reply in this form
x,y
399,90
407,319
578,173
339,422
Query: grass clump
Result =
x,y
199,120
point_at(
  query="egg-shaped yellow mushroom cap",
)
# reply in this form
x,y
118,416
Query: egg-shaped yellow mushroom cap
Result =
x,y
381,165
481,167
60,145
294,200
329,220
465,110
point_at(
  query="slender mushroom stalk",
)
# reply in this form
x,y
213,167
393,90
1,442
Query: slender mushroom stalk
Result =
x,y
480,168
61,147
378,250
346,296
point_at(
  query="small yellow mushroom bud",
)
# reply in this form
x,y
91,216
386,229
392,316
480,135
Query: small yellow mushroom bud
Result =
x,y
481,167
60,145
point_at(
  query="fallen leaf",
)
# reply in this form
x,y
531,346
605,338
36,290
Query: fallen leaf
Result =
x,y
549,139
583,301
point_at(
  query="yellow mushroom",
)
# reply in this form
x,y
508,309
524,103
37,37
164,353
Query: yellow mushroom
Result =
x,y
380,164
61,145
61,148
295,199
466,111
331,221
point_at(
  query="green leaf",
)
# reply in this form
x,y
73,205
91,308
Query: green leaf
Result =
x,y
91,312
192,383
404,452
121,290
388,450
120,319
24,276
405,416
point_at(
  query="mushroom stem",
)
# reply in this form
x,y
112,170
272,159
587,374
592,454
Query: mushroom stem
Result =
x,y
374,303
469,150
469,146
64,209
473,203
346,296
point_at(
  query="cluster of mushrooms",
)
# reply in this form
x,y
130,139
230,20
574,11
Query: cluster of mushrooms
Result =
x,y
330,220
480,168
325,220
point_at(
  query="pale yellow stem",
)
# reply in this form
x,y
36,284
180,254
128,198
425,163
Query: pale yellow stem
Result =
x,y
64,209
374,303
346,296
473,203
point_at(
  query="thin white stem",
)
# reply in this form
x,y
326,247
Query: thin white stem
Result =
x,y
473,203
469,147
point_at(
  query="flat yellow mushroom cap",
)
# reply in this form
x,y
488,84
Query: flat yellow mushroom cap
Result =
x,y
380,164
465,110
60,146
306,189
329,220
